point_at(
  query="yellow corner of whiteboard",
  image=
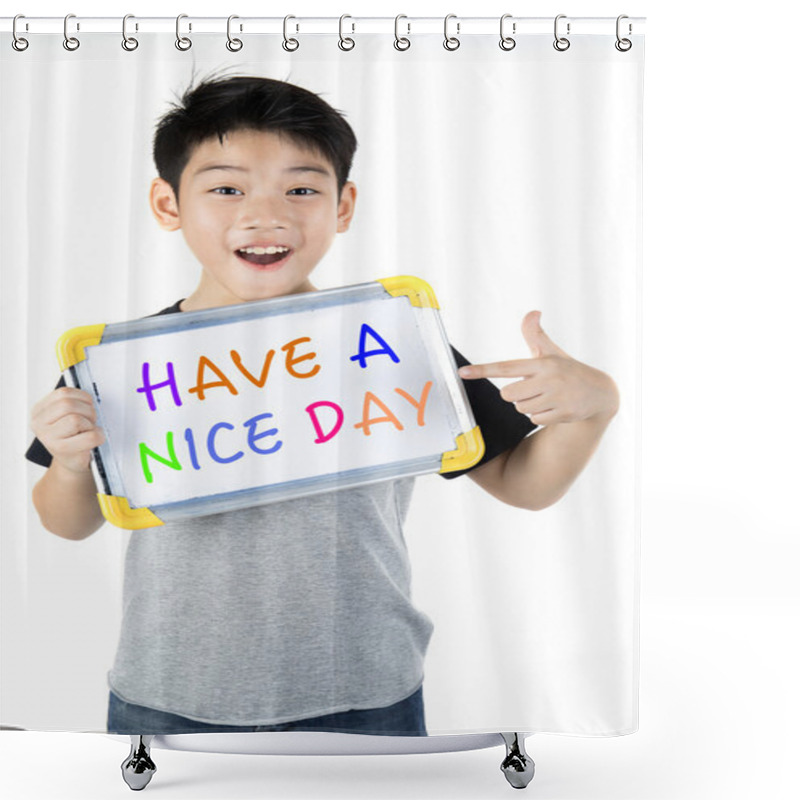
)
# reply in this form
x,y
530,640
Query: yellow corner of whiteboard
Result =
x,y
118,512
70,347
469,451
418,291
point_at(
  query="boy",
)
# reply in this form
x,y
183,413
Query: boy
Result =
x,y
294,615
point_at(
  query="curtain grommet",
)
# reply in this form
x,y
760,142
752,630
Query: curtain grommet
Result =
x,y
401,43
289,44
71,43
623,44
182,43
346,43
507,43
234,45
451,43
561,43
19,43
129,43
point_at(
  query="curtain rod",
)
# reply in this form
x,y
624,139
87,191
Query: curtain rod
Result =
x,y
325,25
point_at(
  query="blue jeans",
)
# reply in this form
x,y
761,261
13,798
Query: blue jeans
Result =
x,y
406,718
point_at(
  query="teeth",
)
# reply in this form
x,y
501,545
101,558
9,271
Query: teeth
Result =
x,y
264,251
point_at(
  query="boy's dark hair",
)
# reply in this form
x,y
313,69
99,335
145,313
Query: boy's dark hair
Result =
x,y
223,105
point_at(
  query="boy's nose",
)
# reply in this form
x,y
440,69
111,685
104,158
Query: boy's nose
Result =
x,y
263,214
263,221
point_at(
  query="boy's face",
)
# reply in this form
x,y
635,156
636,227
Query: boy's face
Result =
x,y
258,211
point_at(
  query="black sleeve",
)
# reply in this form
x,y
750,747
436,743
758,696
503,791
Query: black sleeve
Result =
x,y
37,452
502,426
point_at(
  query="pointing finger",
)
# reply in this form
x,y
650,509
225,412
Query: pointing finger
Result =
x,y
518,368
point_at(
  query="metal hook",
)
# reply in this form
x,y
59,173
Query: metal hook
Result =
x,y
70,42
401,42
451,42
623,45
234,45
290,45
182,42
506,42
561,43
128,42
18,42
346,43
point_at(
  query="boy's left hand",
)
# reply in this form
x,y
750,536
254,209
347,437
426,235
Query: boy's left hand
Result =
x,y
554,387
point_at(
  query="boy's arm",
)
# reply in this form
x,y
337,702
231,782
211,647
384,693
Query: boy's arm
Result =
x,y
66,502
573,400
65,497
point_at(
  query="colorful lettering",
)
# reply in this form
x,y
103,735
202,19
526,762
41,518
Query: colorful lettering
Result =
x,y
362,355
200,387
253,437
291,359
312,412
212,445
262,379
188,434
172,462
367,422
261,435
148,388
419,405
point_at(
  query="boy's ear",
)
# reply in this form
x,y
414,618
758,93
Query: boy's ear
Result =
x,y
347,206
164,205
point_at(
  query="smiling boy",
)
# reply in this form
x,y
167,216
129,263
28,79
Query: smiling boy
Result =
x,y
259,211
296,615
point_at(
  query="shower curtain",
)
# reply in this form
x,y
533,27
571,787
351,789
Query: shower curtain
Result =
x,y
505,172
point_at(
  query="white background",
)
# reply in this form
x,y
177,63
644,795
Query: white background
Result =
x,y
554,204
719,536
536,170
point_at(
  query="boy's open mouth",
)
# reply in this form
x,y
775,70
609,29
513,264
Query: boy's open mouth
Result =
x,y
264,256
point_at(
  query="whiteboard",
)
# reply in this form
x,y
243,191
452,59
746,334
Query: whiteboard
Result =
x,y
231,407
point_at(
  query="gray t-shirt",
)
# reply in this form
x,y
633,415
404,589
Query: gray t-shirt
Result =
x,y
282,612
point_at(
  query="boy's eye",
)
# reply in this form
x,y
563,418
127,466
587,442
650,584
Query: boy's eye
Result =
x,y
303,190
226,190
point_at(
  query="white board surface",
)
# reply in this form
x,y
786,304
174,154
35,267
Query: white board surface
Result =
x,y
275,400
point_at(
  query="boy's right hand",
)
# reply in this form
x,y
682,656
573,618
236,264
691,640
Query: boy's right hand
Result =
x,y
65,422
